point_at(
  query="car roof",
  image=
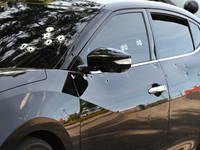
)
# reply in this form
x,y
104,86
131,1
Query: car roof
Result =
x,y
111,5
142,4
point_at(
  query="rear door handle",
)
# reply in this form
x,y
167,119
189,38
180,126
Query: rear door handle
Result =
x,y
157,89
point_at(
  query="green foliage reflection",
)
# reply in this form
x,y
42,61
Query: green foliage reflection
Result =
x,y
25,41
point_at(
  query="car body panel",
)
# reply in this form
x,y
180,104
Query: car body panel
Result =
x,y
28,76
132,112
184,107
33,101
181,72
43,125
103,110
129,106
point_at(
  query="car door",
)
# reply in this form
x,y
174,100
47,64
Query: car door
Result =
x,y
177,48
127,110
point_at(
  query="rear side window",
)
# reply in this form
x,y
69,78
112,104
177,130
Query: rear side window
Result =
x,y
195,33
172,36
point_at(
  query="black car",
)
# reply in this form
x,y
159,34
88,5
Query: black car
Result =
x,y
80,75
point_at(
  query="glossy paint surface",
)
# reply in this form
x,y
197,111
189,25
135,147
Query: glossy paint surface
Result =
x,y
152,105
132,114
27,75
37,101
184,105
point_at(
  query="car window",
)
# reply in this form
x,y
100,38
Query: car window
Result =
x,y
172,36
195,33
126,32
39,40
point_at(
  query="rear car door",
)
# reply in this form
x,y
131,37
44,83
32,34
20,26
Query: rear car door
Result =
x,y
177,48
126,110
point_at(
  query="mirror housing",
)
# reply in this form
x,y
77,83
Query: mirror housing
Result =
x,y
191,6
107,60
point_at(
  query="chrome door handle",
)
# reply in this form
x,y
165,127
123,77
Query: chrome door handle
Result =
x,y
157,89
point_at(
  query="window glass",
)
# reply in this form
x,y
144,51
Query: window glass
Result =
x,y
172,36
126,32
38,40
196,34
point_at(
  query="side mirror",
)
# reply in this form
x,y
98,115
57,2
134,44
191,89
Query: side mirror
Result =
x,y
191,6
107,60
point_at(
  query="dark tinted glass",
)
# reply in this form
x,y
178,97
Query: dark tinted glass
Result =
x,y
172,36
195,33
37,36
126,32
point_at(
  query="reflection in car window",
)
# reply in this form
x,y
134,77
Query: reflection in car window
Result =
x,y
126,32
195,33
172,36
38,40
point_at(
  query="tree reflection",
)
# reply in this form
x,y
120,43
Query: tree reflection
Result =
x,y
23,29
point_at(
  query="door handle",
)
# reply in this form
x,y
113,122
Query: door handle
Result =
x,y
157,89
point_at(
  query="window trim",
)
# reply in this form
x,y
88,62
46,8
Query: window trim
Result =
x,y
180,56
193,40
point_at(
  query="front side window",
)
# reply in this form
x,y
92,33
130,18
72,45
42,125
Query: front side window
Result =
x,y
125,32
172,36
195,34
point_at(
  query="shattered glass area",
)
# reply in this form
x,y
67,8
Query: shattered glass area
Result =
x,y
39,35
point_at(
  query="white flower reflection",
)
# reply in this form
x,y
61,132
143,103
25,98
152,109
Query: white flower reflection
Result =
x,y
61,38
48,42
49,29
23,46
31,49
46,35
